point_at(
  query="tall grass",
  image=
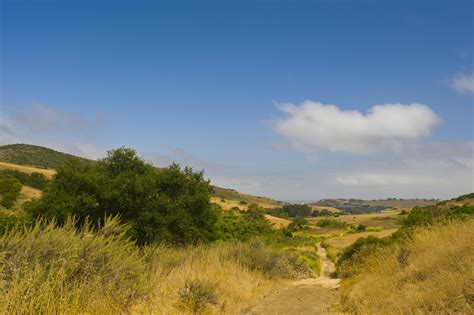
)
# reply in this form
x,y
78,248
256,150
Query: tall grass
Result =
x,y
432,274
61,269
51,269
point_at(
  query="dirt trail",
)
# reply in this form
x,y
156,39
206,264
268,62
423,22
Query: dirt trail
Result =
x,y
307,296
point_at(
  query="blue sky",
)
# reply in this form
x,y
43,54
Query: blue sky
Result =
x,y
204,83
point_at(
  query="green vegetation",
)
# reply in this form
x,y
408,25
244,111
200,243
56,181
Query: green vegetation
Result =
x,y
118,234
65,269
170,204
298,224
357,254
297,210
32,155
322,213
330,223
242,225
9,190
431,214
35,180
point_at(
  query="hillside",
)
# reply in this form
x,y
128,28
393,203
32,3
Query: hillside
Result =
x,y
29,158
367,206
33,155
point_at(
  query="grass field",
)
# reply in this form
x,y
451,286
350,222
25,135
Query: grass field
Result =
x,y
27,169
432,274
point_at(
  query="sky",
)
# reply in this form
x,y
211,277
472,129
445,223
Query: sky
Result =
x,y
295,100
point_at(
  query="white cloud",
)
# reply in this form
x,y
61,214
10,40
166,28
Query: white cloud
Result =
x,y
42,118
463,83
382,179
312,126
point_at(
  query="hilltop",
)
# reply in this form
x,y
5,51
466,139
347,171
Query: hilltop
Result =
x,y
33,155
366,206
28,158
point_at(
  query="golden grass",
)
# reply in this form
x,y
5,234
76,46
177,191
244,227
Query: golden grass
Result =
x,y
278,223
234,286
30,193
27,169
227,204
53,269
433,274
387,219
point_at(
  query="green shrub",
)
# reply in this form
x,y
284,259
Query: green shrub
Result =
x,y
361,228
296,210
311,259
430,215
354,254
35,180
297,224
272,262
196,295
242,225
9,190
329,223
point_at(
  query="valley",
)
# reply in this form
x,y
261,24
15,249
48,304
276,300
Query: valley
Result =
x,y
257,256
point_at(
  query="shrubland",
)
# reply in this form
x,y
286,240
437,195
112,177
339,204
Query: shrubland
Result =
x,y
425,267
120,236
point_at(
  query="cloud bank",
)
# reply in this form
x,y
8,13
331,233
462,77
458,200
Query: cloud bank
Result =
x,y
463,83
314,126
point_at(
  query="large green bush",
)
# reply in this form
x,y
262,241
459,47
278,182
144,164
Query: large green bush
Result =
x,y
242,225
168,204
9,190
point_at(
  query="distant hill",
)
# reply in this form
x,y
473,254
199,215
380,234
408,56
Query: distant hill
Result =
x,y
365,206
33,155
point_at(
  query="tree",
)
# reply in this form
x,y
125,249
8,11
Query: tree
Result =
x,y
298,224
9,190
169,204
297,210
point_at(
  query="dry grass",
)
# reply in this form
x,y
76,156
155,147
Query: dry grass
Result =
x,y
227,204
278,223
433,274
27,169
387,219
63,270
232,286
29,193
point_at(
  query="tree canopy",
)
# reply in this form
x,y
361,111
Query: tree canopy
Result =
x,y
170,204
9,190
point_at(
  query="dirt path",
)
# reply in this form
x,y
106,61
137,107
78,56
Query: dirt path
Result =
x,y
307,296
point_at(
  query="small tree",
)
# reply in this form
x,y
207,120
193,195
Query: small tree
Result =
x,y
9,190
298,224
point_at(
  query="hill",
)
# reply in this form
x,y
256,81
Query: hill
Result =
x,y
367,206
33,155
29,158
